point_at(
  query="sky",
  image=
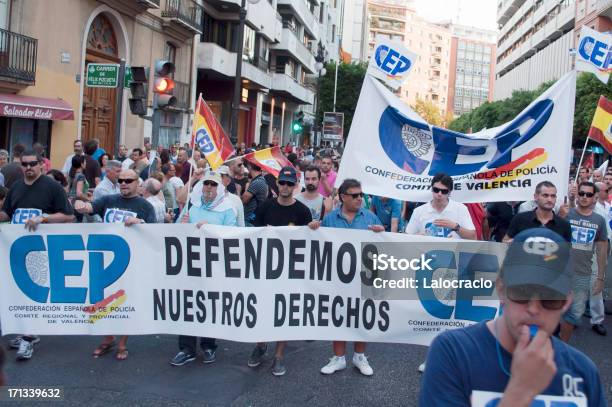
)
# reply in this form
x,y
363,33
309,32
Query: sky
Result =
x,y
477,13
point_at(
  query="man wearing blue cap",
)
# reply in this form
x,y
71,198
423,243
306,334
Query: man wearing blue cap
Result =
x,y
515,359
284,210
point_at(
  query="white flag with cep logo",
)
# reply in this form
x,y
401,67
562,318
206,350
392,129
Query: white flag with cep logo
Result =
x,y
594,53
391,62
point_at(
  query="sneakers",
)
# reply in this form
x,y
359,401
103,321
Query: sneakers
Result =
x,y
14,343
278,369
256,356
335,363
182,358
361,363
422,367
600,329
26,350
209,356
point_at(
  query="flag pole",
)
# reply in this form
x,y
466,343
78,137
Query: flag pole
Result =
x,y
191,169
586,142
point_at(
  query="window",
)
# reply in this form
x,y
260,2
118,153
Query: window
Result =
x,y
248,49
4,14
170,54
321,13
333,40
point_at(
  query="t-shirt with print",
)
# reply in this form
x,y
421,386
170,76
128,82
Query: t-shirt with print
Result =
x,y
463,363
421,221
259,188
315,205
586,230
45,195
271,213
115,208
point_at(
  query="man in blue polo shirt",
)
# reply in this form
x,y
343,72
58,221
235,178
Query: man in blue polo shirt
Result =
x,y
350,215
514,359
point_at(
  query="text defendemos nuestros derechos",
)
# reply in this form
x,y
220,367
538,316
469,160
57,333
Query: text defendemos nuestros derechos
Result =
x,y
383,262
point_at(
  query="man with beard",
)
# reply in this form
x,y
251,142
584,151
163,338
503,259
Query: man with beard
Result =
x,y
77,147
328,177
317,203
283,210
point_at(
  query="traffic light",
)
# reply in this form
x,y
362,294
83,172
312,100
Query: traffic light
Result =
x,y
298,123
138,90
164,84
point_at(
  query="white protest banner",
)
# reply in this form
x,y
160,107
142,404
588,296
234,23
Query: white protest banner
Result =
x,y
395,153
491,399
594,53
391,62
241,284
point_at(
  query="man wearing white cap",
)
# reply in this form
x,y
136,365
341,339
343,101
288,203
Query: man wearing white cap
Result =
x,y
208,206
226,179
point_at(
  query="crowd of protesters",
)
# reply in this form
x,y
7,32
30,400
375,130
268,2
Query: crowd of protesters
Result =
x,y
174,184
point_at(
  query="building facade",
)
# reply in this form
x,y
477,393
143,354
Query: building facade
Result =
x,y
281,40
354,30
596,14
535,40
43,72
472,68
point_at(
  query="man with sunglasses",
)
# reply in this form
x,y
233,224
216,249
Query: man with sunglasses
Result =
x,y
589,236
33,200
284,210
442,217
543,215
515,359
350,215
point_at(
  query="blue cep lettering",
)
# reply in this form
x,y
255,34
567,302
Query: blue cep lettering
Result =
x,y
100,277
393,63
596,52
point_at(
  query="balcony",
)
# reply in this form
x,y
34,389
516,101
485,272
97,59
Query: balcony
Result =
x,y
287,87
132,7
182,92
17,60
290,44
303,13
185,13
507,10
222,63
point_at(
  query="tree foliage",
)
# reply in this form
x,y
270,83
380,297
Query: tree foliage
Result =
x,y
491,114
350,79
429,111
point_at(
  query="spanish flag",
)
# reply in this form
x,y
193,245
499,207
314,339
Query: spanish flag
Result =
x,y
602,121
209,136
270,160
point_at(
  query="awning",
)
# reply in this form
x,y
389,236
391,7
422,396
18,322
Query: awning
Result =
x,y
27,107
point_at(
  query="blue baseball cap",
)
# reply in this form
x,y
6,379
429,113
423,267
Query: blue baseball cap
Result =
x,y
539,257
287,174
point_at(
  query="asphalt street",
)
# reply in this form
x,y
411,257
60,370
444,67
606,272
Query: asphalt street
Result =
x,y
147,378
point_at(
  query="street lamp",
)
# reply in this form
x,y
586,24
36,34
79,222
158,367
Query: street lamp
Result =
x,y
320,68
237,79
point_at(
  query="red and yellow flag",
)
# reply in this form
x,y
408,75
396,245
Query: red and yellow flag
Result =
x,y
602,121
210,136
270,160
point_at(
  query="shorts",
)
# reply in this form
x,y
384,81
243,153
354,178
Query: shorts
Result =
x,y
581,289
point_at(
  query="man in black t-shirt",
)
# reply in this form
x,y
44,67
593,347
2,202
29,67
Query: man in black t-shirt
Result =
x,y
33,200
283,210
93,172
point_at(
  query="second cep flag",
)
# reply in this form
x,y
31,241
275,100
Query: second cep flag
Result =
x,y
391,62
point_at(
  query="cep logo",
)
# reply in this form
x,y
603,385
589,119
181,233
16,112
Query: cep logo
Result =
x,y
541,246
391,61
21,215
596,52
118,215
100,277
204,141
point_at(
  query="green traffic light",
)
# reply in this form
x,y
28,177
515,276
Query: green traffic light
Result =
x,y
297,126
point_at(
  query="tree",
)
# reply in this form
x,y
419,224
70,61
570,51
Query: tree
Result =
x,y
429,111
491,114
350,79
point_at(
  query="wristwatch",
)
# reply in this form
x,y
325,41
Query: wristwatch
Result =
x,y
456,228
45,218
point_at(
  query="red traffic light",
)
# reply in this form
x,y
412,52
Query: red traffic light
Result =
x,y
164,85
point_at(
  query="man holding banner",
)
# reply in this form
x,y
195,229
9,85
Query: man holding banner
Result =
x,y
350,215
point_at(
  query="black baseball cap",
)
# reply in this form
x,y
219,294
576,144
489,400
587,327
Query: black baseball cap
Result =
x,y
287,174
539,257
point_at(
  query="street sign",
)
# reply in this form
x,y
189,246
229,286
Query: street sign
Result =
x,y
128,77
333,126
102,75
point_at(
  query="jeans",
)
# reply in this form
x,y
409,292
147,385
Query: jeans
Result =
x,y
189,344
596,301
581,288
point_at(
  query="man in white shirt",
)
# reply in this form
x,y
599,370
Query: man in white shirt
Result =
x,y
442,217
78,150
109,186
596,302
151,189
235,200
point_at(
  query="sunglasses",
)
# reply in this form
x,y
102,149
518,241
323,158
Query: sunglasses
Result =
x,y
587,194
550,300
289,183
355,196
125,180
26,164
436,190
210,183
